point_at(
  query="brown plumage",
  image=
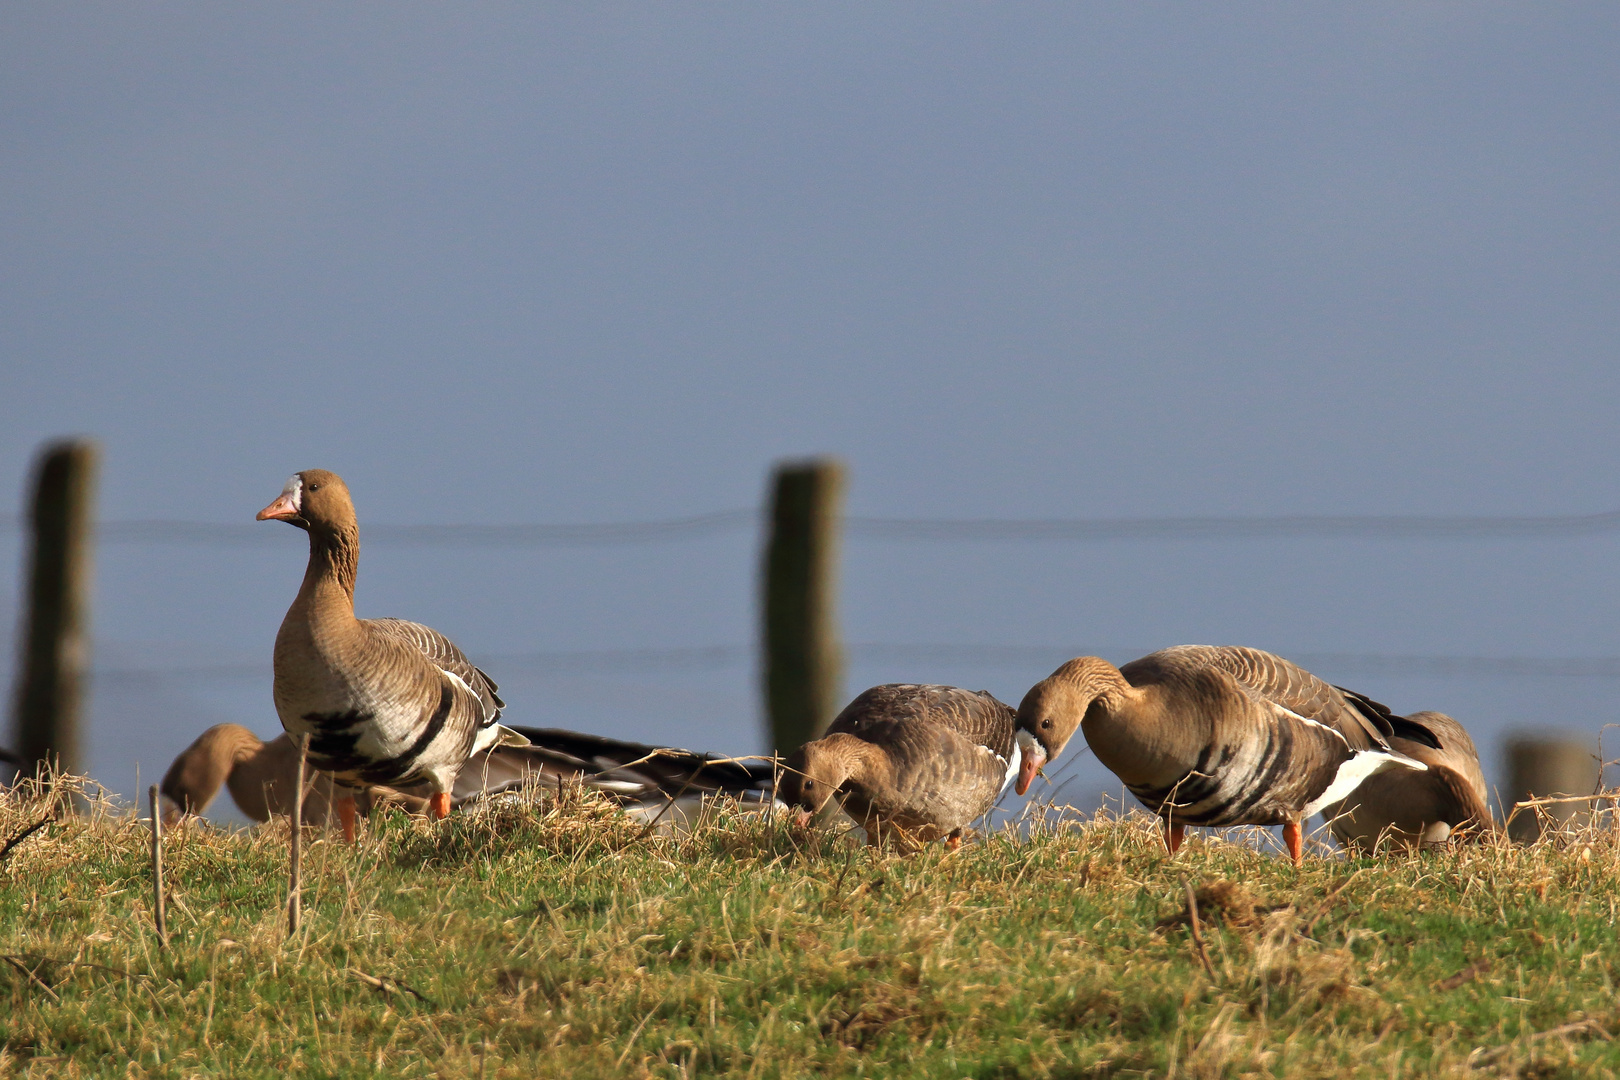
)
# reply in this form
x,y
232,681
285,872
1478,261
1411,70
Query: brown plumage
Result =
x,y
1207,735
927,760
652,783
382,701
1406,809
661,784
259,775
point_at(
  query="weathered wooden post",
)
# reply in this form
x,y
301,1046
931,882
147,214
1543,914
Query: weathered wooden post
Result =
x,y
56,647
158,912
295,887
1541,768
803,660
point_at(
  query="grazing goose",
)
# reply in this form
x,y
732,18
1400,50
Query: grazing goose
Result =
x,y
1205,735
382,701
923,760
1413,808
652,783
259,775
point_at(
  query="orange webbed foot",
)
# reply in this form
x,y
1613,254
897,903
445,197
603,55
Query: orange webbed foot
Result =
x,y
1294,837
344,804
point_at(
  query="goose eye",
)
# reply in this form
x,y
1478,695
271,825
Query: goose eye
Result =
x,y
314,487
1046,723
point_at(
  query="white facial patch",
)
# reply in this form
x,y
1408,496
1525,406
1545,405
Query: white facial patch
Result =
x,y
1029,746
295,488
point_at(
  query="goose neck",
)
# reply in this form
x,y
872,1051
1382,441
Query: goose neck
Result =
x,y
334,562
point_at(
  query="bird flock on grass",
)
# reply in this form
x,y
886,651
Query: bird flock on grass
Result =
x,y
391,713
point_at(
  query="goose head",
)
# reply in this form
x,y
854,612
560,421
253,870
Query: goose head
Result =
x,y
1052,711
812,775
314,500
197,774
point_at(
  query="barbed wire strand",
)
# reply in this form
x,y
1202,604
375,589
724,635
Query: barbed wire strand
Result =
x,y
721,522
1036,659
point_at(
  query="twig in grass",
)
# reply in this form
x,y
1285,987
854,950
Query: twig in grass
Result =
x,y
295,843
157,871
1466,975
838,886
636,1034
5,852
1197,936
34,958
383,984
1481,1057
33,978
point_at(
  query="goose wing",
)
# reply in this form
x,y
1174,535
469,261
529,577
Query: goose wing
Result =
x,y
975,715
630,772
444,654
1365,724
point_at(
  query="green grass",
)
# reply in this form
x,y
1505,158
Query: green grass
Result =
x,y
560,941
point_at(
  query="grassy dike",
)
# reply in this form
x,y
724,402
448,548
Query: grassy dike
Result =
x,y
561,941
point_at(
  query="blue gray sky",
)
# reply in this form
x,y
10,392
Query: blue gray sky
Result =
x,y
569,264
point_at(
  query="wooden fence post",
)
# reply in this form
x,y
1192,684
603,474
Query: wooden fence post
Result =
x,y
158,915
56,647
1544,768
803,660
295,886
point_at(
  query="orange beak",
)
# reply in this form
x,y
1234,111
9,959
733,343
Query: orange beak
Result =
x,y
1028,766
280,510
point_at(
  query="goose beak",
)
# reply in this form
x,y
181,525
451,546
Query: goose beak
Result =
x,y
1030,764
283,509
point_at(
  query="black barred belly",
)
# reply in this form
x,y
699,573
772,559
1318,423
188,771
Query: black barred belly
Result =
x,y
335,739
1224,790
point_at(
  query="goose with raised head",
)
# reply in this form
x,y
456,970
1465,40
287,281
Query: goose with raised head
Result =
x,y
260,776
1207,735
919,761
382,701
1406,809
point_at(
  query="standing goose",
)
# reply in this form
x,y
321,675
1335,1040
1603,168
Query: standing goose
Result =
x,y
259,775
924,760
1207,735
1412,808
382,701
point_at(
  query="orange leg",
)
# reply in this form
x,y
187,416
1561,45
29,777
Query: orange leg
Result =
x,y
439,805
954,841
1174,834
344,804
1294,837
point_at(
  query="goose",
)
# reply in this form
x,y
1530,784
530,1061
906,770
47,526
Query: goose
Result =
x,y
1207,735
260,777
1410,808
658,785
909,759
381,701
